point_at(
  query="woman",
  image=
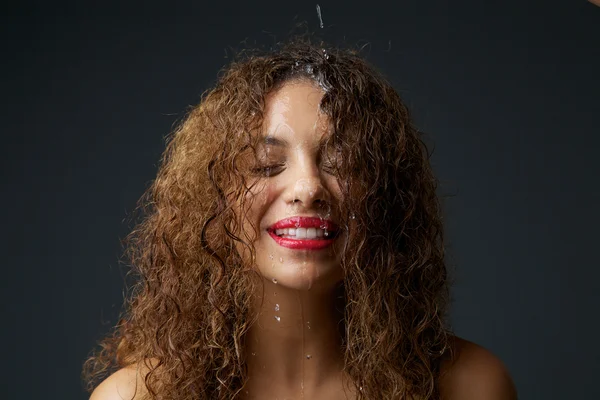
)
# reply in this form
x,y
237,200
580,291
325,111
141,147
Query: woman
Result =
x,y
293,249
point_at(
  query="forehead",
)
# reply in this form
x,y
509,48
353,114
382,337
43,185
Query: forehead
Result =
x,y
293,114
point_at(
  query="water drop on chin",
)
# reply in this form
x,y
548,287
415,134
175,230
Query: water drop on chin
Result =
x,y
275,281
278,318
276,307
308,356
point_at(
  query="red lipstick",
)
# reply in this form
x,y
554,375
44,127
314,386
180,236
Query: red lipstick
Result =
x,y
317,243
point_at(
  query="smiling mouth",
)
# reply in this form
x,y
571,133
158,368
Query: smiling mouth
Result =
x,y
304,233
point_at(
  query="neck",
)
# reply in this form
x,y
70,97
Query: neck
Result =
x,y
295,345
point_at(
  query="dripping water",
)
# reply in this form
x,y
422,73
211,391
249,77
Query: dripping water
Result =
x,y
319,15
303,346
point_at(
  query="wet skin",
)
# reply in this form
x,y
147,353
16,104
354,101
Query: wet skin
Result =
x,y
293,350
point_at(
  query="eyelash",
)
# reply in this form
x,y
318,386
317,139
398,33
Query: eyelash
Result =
x,y
267,170
275,169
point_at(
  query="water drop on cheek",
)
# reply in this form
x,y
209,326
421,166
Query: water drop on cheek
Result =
x,y
271,256
281,259
276,307
308,356
275,281
277,318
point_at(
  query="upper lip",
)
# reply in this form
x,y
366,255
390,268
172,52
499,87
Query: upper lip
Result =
x,y
305,222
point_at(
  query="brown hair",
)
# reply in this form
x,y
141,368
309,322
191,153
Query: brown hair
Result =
x,y
190,307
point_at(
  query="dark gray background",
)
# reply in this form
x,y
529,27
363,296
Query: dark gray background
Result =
x,y
508,92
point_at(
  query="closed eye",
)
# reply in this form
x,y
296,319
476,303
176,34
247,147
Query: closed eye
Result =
x,y
268,170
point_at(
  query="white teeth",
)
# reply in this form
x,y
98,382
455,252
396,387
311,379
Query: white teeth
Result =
x,y
301,233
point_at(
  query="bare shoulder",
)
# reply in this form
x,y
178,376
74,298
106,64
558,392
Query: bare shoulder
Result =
x,y
476,373
125,384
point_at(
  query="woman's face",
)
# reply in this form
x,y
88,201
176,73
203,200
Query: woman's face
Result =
x,y
295,193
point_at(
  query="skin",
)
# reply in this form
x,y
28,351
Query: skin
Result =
x,y
297,353
276,350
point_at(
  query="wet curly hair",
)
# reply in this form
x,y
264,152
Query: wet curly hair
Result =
x,y
190,306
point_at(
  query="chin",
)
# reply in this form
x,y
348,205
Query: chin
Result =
x,y
303,275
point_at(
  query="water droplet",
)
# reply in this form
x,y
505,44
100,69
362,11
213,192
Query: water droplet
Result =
x,y
325,233
320,17
271,256
309,69
297,63
276,307
325,54
308,356
253,354
352,216
275,281
278,318
280,259
308,324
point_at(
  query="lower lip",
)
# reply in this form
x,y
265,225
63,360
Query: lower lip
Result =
x,y
300,244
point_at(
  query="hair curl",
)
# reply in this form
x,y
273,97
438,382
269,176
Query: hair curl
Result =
x,y
191,305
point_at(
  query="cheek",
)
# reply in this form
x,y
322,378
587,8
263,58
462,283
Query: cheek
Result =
x,y
259,202
334,188
255,205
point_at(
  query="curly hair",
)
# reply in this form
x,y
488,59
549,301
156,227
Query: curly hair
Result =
x,y
191,304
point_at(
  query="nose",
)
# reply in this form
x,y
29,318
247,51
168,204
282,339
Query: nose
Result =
x,y
309,192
